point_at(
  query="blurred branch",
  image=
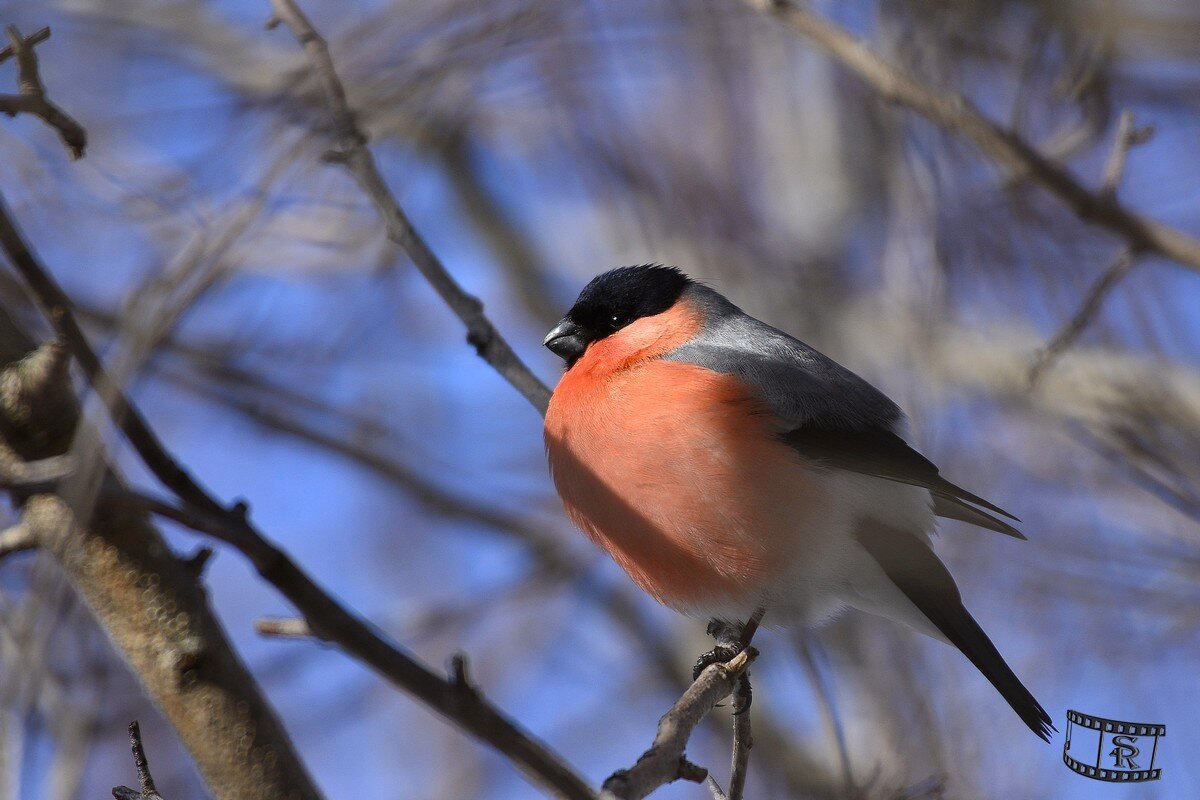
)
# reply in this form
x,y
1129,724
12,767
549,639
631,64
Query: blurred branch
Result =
x,y
665,762
35,38
30,475
31,94
16,538
57,307
957,114
147,790
1084,316
354,154
1128,137
283,627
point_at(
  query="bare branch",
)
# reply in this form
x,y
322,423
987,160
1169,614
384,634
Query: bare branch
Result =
x,y
16,539
147,790
664,762
358,159
715,788
957,114
35,38
33,475
743,738
1083,317
1128,137
58,309
332,622
31,96
284,627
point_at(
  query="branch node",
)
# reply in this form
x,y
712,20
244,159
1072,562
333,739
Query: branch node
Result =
x,y
691,772
459,676
198,560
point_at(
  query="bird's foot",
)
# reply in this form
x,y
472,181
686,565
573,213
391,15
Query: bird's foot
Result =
x,y
723,652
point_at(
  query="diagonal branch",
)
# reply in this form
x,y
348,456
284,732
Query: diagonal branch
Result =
x,y
327,619
1082,318
957,114
358,159
31,94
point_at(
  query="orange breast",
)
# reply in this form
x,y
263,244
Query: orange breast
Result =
x,y
675,470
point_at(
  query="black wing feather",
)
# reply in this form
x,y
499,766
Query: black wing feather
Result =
x,y
883,454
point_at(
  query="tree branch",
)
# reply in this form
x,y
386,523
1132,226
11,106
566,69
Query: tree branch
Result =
x,y
664,762
31,94
957,114
1128,137
1083,317
16,539
328,620
146,788
357,158
743,739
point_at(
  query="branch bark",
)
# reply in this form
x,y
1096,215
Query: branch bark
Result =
x,y
664,762
957,114
146,789
31,94
152,607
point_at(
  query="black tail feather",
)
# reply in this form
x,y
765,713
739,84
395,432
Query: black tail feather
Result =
x,y
914,568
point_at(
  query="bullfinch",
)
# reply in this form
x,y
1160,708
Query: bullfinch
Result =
x,y
730,468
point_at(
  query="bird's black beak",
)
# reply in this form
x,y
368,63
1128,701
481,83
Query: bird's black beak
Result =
x,y
566,340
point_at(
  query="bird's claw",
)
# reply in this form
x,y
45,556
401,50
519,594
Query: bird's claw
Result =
x,y
721,653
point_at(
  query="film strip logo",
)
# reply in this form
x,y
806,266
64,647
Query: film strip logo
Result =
x,y
1108,750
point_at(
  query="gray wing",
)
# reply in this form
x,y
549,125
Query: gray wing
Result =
x,y
837,418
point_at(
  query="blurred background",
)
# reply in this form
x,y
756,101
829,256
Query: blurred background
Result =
x,y
290,355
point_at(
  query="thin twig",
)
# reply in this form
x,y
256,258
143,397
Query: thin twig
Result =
x,y
147,790
31,475
955,113
664,761
743,739
283,627
35,38
1083,317
743,736
357,158
715,789
31,94
16,539
1128,137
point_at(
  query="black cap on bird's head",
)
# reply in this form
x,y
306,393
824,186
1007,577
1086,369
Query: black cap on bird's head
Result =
x,y
613,300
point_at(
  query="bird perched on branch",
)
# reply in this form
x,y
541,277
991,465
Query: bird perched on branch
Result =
x,y
730,468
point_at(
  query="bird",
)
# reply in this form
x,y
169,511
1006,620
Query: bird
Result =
x,y
734,471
